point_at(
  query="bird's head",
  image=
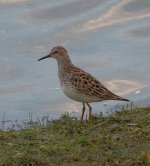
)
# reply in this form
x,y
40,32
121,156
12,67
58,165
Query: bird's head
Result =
x,y
58,53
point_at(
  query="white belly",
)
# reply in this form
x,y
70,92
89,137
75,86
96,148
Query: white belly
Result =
x,y
78,96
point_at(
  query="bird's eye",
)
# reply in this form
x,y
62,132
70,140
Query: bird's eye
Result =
x,y
55,52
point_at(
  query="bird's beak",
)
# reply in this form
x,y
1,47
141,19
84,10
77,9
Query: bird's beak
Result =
x,y
47,56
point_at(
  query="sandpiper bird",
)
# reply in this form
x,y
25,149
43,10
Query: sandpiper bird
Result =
x,y
78,84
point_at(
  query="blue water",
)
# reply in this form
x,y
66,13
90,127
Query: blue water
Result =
x,y
108,38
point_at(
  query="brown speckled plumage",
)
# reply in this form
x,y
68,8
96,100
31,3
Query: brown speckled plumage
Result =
x,y
78,84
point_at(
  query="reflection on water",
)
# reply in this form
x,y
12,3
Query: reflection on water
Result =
x,y
108,38
128,86
11,1
142,32
117,14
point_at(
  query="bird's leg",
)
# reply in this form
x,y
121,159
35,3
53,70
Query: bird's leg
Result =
x,y
83,110
90,110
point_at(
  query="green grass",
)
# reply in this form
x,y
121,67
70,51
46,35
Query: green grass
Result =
x,y
120,139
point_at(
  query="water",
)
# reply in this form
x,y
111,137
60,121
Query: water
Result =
x,y
108,38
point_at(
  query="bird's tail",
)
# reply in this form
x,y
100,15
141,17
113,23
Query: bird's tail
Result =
x,y
122,99
116,97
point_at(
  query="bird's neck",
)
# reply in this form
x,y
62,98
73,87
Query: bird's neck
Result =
x,y
64,67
